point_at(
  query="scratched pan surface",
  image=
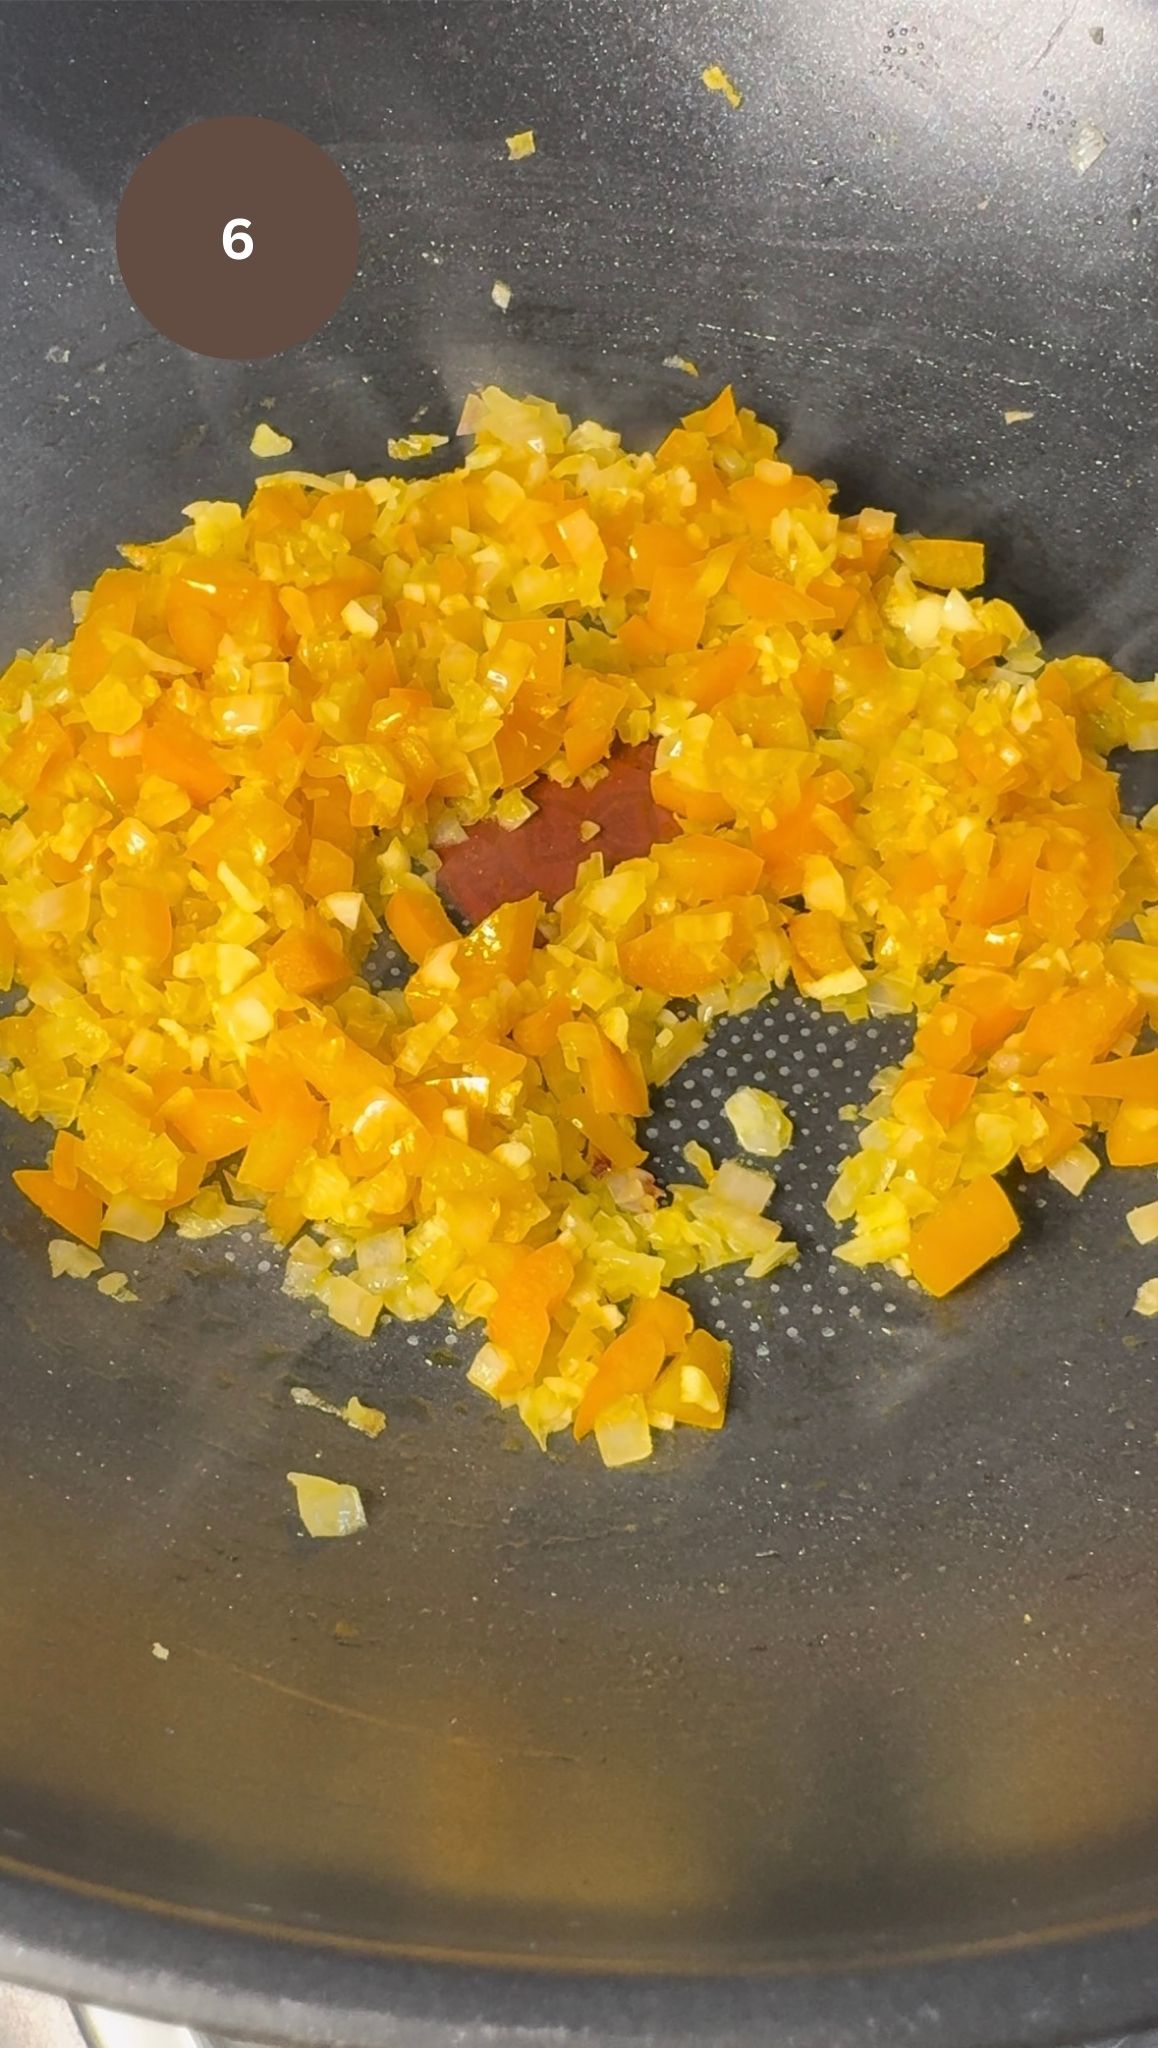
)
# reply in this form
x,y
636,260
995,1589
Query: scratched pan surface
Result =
x,y
841,1725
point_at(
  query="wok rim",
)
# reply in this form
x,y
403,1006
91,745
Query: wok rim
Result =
x,y
92,1945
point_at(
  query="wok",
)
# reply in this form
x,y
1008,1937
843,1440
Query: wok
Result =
x,y
838,1727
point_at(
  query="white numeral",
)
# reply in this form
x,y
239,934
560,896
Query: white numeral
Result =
x,y
234,240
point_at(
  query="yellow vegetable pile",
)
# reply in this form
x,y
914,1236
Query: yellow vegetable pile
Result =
x,y
264,728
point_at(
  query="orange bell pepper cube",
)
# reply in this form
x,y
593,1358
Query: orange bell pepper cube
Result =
x,y
1132,1139
944,564
539,1031
502,943
174,751
139,926
628,1366
699,868
614,1079
418,921
328,868
654,546
75,1209
43,740
214,1122
761,499
681,955
715,418
774,602
702,806
668,1315
675,610
605,1138
309,961
709,1355
1134,1079
590,723
291,1118
719,672
819,939
948,1097
1084,1024
520,1320
974,1224
65,1159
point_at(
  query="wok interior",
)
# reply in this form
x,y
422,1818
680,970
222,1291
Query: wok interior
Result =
x,y
874,1669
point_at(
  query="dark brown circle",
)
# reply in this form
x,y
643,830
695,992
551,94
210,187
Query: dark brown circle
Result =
x,y
286,211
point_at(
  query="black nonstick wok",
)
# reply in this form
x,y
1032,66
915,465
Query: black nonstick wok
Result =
x,y
841,1726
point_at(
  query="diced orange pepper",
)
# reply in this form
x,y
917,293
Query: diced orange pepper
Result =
x,y
1134,1079
973,1225
700,868
75,1209
1057,905
710,1356
992,898
675,609
1083,1023
42,741
801,829
605,1138
64,1163
656,546
975,946
974,648
250,827
948,1097
539,1031
991,1001
330,820
819,939
291,1118
354,511
761,499
874,529
945,1037
276,506
840,596
1061,1134
529,735
418,921
664,960
520,1320
945,564
187,1180
547,641
172,749
668,1315
330,1061
813,686
328,868
218,597
702,806
614,1079
309,961
503,942
628,1366
138,925
214,1122
715,418
774,602
719,672
590,723
1132,1139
